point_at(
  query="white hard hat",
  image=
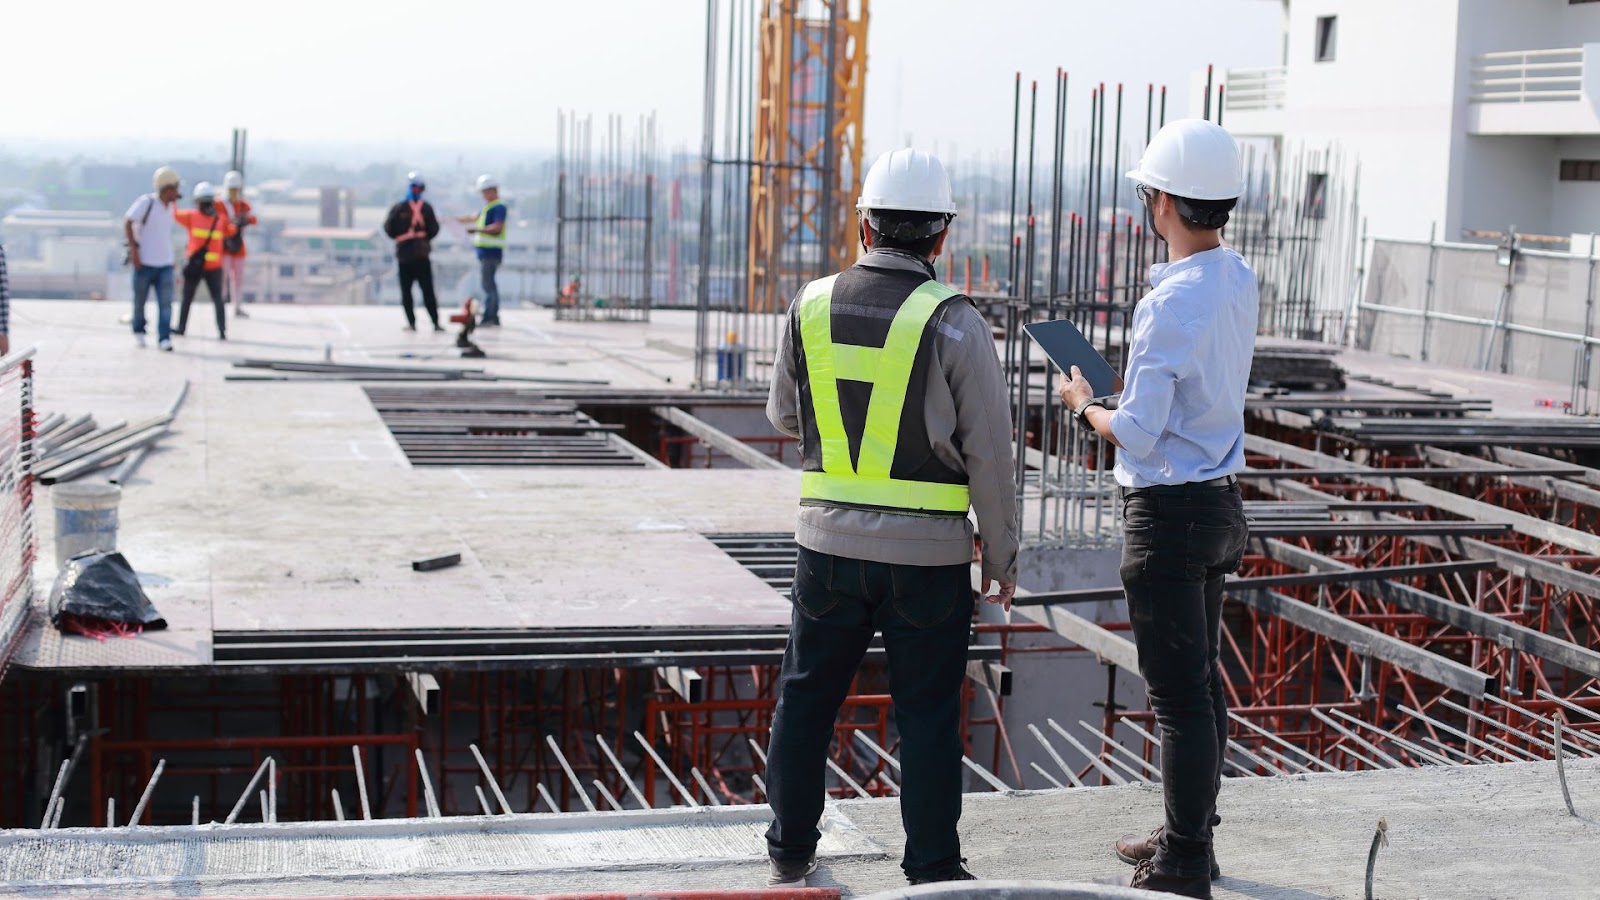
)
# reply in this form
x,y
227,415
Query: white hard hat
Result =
x,y
414,177
234,179
486,182
205,190
910,180
1193,159
165,176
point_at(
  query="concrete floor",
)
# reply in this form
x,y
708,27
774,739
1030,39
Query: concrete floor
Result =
x,y
1493,831
287,505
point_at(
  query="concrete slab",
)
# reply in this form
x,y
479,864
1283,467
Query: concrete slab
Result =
x,y
288,505
1489,831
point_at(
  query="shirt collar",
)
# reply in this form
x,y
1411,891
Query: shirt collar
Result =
x,y
1162,271
896,259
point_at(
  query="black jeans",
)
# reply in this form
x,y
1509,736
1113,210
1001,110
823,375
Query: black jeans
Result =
x,y
1179,544
213,283
925,614
418,272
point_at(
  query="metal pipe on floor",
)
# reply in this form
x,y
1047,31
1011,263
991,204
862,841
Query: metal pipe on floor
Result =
x,y
488,776
671,778
427,786
261,770
627,779
144,798
361,783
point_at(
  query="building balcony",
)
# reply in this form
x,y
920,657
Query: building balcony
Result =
x,y
1255,100
1536,92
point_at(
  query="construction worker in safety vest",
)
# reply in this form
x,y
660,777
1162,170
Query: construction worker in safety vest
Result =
x,y
237,209
207,225
892,383
1179,433
413,226
488,230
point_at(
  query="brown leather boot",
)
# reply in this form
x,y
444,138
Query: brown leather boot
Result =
x,y
1134,849
1146,876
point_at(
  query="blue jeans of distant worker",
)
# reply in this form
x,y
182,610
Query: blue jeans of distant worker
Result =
x,y
1180,542
925,614
491,293
160,278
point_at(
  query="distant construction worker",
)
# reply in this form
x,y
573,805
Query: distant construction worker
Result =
x,y
208,225
237,209
892,384
488,230
412,225
1179,433
147,227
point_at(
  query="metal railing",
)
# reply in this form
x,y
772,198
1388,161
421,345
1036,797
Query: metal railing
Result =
x,y
1257,90
1528,76
1531,313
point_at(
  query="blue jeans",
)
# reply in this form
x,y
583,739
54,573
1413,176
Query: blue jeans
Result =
x,y
1180,543
925,614
160,278
491,292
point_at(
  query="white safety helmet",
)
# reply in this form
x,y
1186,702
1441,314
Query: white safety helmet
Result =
x,y
234,179
1193,159
166,176
486,182
414,177
205,190
909,180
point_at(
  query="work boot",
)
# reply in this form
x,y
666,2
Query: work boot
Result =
x,y
791,875
1134,849
958,872
437,327
240,314
1147,877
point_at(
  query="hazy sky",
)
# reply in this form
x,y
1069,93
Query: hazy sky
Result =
x,y
405,75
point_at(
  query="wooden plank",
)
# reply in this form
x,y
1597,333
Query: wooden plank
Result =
x,y
992,675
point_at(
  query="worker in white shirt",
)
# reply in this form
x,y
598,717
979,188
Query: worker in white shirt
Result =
x,y
1179,433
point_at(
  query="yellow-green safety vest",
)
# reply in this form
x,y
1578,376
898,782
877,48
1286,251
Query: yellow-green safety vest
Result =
x,y
490,241
888,369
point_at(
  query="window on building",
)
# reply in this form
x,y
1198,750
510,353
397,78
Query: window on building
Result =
x,y
1580,169
1327,37
1316,195
286,271
285,298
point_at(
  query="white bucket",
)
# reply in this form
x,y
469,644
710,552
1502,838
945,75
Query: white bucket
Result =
x,y
86,518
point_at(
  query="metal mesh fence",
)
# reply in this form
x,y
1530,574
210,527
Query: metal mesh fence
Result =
x,y
18,546
1460,305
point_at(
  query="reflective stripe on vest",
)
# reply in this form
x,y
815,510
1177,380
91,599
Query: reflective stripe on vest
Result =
x,y
490,241
419,227
888,370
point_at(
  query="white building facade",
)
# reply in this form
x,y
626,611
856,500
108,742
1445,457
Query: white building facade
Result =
x,y
1465,115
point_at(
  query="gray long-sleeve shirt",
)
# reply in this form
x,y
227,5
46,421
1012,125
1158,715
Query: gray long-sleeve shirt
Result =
x,y
968,417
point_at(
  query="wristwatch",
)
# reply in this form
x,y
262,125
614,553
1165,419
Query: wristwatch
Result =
x,y
1078,412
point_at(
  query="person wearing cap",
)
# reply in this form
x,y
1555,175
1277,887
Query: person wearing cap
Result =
x,y
237,209
147,228
488,230
892,384
412,225
1179,433
208,226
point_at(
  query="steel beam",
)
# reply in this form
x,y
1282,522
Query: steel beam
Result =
x,y
1412,489
1520,637
1550,482
719,439
1370,641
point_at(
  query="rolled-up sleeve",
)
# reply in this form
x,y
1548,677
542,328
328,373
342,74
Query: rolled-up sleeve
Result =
x,y
783,400
1156,359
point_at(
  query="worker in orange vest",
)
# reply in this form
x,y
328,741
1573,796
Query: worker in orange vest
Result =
x,y
237,210
207,224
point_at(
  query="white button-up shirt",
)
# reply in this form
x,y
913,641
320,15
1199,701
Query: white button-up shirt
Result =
x,y
1181,416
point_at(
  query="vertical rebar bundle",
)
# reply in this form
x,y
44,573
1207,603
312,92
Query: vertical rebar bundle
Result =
x,y
605,219
1078,248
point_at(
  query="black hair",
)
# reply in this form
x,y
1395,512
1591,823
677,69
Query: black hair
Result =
x,y
907,231
1203,215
